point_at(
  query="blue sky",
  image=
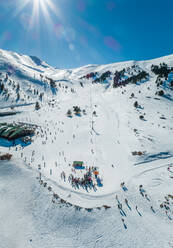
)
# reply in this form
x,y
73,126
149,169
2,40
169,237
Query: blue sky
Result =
x,y
80,32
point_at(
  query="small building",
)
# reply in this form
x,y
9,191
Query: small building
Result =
x,y
78,164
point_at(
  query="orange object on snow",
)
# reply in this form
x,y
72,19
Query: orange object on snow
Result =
x,y
96,173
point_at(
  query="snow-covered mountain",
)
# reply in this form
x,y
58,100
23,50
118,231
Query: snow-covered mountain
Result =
x,y
95,127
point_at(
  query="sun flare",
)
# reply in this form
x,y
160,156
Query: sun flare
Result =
x,y
44,7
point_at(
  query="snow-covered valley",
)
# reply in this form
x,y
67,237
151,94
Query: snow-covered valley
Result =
x,y
98,171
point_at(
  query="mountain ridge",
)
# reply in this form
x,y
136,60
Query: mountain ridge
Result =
x,y
157,59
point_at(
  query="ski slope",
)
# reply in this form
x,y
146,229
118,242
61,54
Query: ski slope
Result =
x,y
29,219
105,140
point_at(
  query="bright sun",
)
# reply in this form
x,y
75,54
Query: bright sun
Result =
x,y
44,6
39,6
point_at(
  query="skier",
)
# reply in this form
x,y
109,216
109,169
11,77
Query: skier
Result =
x,y
122,184
141,193
152,208
119,205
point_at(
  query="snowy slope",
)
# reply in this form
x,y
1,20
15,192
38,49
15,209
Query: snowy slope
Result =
x,y
29,219
106,139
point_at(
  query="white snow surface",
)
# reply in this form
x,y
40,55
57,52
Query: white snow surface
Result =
x,y
28,217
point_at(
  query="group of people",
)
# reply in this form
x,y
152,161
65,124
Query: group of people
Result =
x,y
86,182
165,205
89,181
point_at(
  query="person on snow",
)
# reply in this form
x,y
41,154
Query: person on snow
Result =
x,y
122,184
119,205
141,193
152,208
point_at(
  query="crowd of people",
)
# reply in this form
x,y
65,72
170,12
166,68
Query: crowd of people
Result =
x,y
87,182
